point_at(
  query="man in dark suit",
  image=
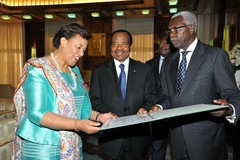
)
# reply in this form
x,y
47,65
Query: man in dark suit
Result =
x,y
156,62
125,143
160,129
208,79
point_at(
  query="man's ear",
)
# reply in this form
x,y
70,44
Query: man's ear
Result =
x,y
191,29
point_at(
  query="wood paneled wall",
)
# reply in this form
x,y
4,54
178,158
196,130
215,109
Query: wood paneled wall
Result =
x,y
97,25
34,33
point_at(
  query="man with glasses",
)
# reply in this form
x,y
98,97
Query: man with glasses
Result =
x,y
197,74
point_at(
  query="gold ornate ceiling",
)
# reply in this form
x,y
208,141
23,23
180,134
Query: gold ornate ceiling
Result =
x,y
106,8
14,3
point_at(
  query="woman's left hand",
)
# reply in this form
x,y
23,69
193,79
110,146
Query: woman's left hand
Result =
x,y
104,116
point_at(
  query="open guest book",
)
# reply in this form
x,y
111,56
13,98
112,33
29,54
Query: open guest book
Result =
x,y
159,115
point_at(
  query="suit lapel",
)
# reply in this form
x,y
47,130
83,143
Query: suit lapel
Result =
x,y
174,69
195,61
114,78
156,63
132,71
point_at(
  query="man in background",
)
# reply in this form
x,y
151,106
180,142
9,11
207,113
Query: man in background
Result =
x,y
160,129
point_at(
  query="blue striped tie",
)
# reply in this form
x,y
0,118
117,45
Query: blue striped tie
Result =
x,y
181,71
122,81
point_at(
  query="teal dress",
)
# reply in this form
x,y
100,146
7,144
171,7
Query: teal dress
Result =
x,y
41,151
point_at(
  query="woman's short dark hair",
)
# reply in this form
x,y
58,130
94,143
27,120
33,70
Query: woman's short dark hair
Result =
x,y
69,31
122,30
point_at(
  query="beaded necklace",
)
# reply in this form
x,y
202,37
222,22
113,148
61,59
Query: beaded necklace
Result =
x,y
72,74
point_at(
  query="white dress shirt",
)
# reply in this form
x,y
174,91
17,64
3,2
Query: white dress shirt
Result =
x,y
160,62
126,66
191,48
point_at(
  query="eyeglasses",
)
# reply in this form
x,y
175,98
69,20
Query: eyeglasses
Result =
x,y
175,29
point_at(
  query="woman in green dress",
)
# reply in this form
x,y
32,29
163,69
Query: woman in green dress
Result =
x,y
52,102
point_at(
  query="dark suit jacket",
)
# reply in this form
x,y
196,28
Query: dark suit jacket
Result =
x,y
106,96
160,129
154,63
209,76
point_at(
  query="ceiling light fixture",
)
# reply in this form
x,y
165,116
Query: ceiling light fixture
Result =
x,y
119,13
6,17
27,17
173,10
49,16
145,11
95,14
173,2
71,15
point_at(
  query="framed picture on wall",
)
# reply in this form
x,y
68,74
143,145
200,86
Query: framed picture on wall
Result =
x,y
97,45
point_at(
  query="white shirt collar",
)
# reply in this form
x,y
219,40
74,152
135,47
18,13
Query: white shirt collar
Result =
x,y
161,57
192,46
126,66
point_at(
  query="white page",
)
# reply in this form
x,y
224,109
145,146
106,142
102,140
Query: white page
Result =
x,y
143,118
